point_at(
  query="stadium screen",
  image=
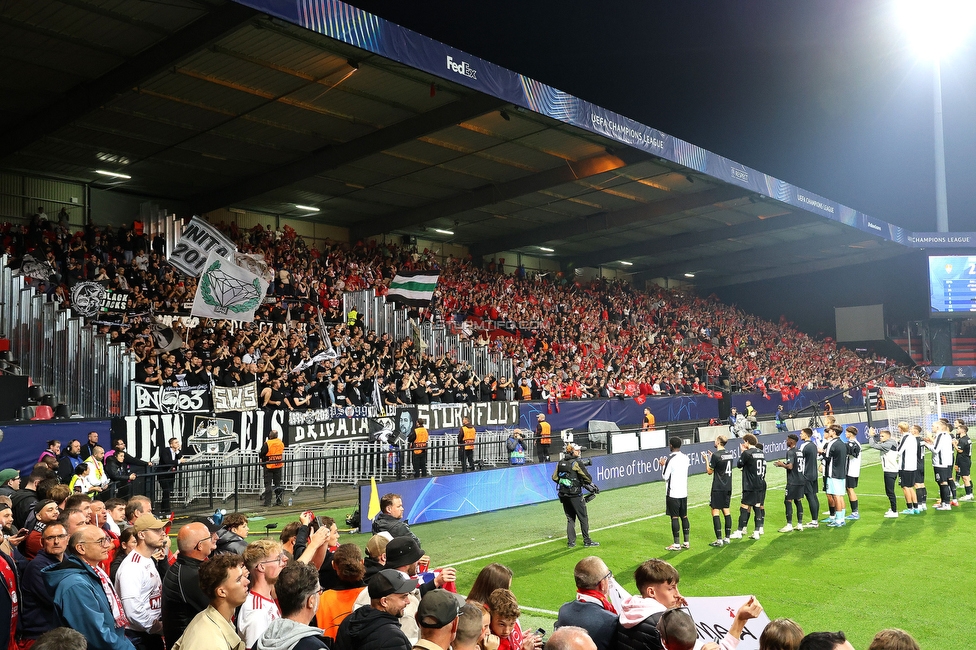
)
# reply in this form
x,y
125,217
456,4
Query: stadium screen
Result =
x,y
952,286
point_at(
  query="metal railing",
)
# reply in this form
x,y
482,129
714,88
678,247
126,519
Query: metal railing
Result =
x,y
383,317
67,358
208,479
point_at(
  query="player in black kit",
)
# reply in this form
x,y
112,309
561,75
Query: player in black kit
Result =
x,y
964,459
795,484
807,460
752,462
720,468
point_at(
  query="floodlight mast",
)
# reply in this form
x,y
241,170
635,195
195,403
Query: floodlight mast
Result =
x,y
935,28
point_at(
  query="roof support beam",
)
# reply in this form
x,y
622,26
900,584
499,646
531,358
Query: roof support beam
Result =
x,y
773,254
690,239
800,269
496,193
607,220
90,95
333,156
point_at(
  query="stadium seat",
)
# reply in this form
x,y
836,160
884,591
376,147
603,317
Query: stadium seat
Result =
x,y
62,411
35,395
48,400
43,412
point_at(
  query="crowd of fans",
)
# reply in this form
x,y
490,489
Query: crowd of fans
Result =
x,y
567,339
79,572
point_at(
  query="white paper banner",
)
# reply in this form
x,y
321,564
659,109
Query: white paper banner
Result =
x,y
714,615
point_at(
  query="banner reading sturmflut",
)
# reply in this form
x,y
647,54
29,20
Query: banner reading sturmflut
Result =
x,y
227,291
413,288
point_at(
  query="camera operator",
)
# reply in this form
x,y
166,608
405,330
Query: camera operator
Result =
x,y
571,477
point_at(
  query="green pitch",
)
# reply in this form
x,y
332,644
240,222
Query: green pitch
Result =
x,y
913,572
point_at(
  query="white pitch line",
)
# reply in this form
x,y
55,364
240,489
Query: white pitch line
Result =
x,y
561,538
538,611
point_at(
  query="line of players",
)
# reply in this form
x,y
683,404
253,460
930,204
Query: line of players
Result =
x,y
902,459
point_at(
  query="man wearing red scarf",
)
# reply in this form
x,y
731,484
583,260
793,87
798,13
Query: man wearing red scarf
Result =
x,y
592,609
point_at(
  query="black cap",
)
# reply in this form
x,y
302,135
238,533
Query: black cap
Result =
x,y
438,608
402,551
208,522
389,581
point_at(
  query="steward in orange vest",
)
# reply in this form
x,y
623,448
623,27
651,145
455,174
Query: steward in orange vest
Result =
x,y
543,431
418,442
272,455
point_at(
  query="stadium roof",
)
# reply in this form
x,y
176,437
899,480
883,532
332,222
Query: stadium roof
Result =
x,y
209,104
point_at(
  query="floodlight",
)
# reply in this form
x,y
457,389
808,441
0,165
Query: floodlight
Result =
x,y
625,263
689,275
112,174
936,28
442,231
545,249
307,208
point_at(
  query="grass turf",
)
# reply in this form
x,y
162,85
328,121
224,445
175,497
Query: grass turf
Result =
x,y
912,572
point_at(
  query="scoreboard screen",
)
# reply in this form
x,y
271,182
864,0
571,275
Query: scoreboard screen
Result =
x,y
952,286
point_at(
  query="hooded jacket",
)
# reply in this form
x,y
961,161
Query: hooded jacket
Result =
x,y
228,542
81,604
285,634
371,629
637,624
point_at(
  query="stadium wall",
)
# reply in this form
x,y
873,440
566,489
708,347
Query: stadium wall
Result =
x,y
457,495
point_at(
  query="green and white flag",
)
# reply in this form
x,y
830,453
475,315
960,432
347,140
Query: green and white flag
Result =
x,y
226,290
413,288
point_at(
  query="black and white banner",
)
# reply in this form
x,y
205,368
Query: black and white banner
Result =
x,y
38,269
145,435
115,302
321,426
237,398
172,399
198,240
482,414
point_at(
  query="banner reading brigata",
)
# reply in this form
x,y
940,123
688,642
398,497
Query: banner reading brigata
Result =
x,y
320,426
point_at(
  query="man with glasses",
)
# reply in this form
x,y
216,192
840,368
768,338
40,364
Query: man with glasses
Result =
x,y
84,597
298,592
38,614
139,585
592,609
182,597
264,560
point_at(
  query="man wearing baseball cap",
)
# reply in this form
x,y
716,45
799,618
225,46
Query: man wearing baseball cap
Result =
x,y
139,586
377,626
403,554
375,560
9,482
438,620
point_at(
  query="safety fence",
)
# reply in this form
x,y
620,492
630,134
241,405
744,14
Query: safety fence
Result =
x,y
207,479
70,360
383,317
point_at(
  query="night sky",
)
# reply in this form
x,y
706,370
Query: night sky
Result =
x,y
824,94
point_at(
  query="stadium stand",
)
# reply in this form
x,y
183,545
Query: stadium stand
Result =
x,y
565,339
